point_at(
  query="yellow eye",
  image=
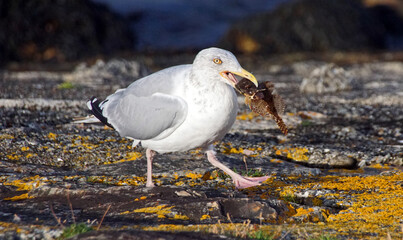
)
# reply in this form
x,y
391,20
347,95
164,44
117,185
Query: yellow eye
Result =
x,y
217,61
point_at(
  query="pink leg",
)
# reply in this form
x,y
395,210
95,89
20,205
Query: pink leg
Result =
x,y
150,155
239,181
257,179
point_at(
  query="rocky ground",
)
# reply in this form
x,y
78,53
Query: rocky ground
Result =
x,y
336,175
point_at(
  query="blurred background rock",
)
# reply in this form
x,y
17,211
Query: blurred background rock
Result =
x,y
60,30
69,30
318,25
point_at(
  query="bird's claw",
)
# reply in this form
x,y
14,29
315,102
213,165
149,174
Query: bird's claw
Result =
x,y
257,179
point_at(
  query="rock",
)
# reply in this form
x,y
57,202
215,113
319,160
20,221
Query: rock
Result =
x,y
60,31
183,193
308,180
308,25
115,71
318,158
326,79
140,235
310,214
248,209
332,160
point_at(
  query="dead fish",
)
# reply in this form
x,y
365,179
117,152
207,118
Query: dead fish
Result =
x,y
263,100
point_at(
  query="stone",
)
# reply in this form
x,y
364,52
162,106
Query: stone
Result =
x,y
248,209
327,79
116,71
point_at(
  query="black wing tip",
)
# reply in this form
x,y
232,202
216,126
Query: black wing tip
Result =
x,y
94,106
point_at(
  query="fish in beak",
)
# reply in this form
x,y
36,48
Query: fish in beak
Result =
x,y
229,75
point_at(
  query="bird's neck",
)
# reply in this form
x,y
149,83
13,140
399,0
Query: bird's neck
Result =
x,y
205,79
205,90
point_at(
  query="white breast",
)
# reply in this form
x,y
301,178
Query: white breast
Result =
x,y
211,113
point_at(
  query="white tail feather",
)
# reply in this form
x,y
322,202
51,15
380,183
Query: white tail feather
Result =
x,y
87,119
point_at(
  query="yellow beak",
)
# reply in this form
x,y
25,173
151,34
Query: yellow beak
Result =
x,y
243,73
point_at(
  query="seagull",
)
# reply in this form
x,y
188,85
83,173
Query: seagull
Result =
x,y
180,108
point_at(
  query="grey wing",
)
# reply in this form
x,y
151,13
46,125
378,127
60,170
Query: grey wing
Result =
x,y
146,117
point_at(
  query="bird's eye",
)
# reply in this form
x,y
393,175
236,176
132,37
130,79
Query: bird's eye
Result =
x,y
217,61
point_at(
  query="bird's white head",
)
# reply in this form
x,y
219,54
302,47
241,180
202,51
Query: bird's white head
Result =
x,y
220,64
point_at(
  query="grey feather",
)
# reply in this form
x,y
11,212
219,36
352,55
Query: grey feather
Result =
x,y
146,109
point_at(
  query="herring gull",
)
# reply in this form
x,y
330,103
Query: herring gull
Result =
x,y
180,108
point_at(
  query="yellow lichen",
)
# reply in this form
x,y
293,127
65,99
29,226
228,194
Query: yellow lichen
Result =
x,y
180,217
134,181
380,166
204,217
131,156
141,198
180,183
6,136
52,136
247,116
24,149
297,154
193,175
28,183
372,203
25,184
19,197
160,210
302,211
14,157
251,152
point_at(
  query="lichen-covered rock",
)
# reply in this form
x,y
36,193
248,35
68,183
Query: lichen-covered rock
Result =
x,y
141,235
315,184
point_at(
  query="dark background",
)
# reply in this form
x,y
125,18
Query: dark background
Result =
x,y
60,31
